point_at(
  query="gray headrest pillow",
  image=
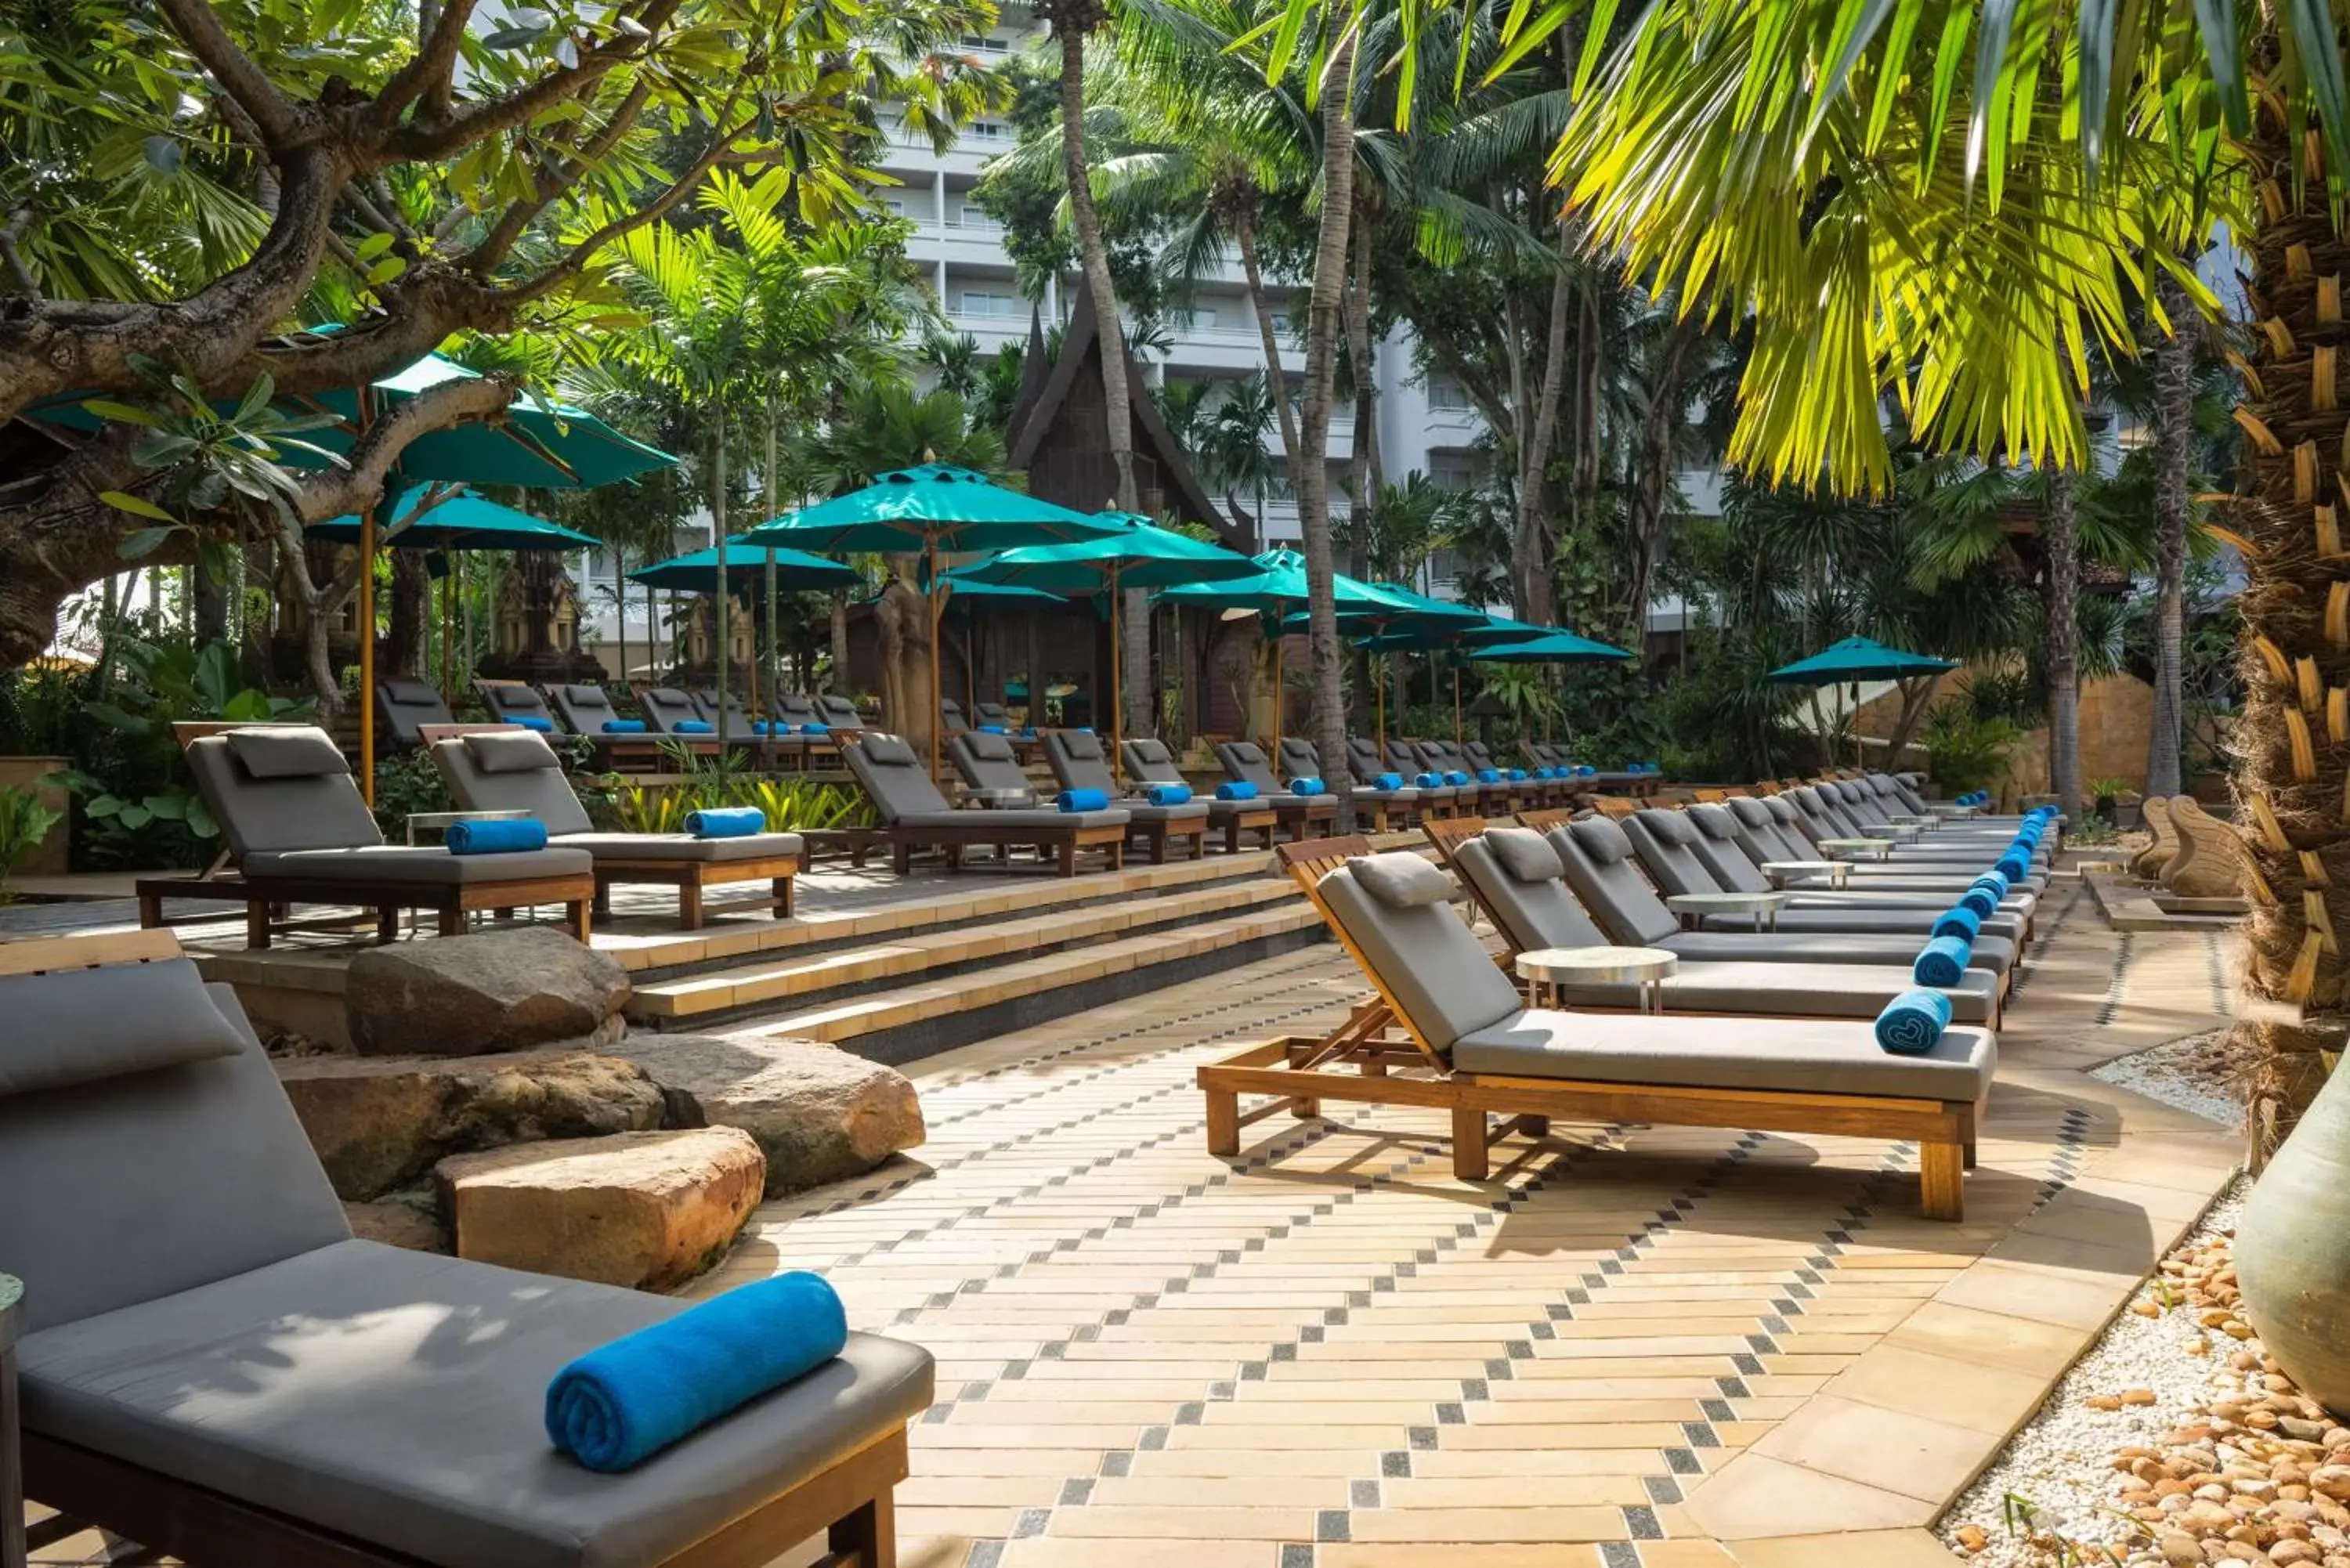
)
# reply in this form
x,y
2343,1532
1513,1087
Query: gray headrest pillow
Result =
x,y
1400,879
888,751
1079,743
286,752
1712,820
79,1026
588,696
1247,751
1601,839
512,752
1524,853
1669,826
1749,810
988,748
1150,751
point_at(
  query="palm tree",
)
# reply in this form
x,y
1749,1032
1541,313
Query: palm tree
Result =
x,y
1891,218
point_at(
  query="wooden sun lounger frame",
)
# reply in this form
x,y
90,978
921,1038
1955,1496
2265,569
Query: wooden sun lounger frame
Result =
x,y
851,1502
1299,1072
265,899
691,878
1061,843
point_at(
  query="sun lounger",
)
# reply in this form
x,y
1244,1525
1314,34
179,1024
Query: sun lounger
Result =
x,y
707,706
1299,760
300,834
952,722
1368,761
513,702
403,707
914,814
1077,762
987,764
586,708
1148,760
1474,797
1526,791
1598,860
1735,848
1447,1030
838,713
983,713
666,707
1821,817
491,768
1667,842
1244,762
1518,878
214,1368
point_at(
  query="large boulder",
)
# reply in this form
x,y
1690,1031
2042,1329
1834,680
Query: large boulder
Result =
x,y
643,1209
381,1122
819,1112
472,995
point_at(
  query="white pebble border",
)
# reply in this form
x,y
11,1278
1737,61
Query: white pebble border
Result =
x,y
2062,1460
2167,1073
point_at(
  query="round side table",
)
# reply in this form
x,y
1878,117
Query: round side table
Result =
x,y
1782,872
1693,908
1552,970
1859,848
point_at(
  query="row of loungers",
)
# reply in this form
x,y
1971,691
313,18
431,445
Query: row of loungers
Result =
x,y
212,1367
1447,1027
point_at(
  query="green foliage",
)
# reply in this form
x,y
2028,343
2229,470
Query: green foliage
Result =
x,y
1967,750
407,783
790,804
24,823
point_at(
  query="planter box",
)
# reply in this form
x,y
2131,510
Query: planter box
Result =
x,y
26,773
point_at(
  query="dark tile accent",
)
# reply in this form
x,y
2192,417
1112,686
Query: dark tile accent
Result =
x,y
1032,1523
1640,1525
1396,1462
1075,1490
1363,1494
1332,1524
1683,1462
1663,1489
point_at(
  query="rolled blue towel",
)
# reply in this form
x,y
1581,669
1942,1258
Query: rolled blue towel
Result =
x,y
1168,793
1084,800
1305,786
727,822
1028,732
2014,866
1992,880
1979,900
816,729
1429,781
995,729
1387,781
1455,777
506,836
1585,771
1541,773
691,727
624,726
1913,1021
1942,961
1960,921
534,721
1489,776
618,1405
1517,775
1234,789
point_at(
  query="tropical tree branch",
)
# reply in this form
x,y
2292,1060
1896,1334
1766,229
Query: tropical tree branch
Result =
x,y
575,260
280,122
340,492
518,216
434,66
462,130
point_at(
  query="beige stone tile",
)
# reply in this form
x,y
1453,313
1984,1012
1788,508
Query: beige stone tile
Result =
x,y
1077,1552
1686,1554
2038,1295
1992,1400
1992,1338
1755,1495
1851,1549
1451,1554
1896,1450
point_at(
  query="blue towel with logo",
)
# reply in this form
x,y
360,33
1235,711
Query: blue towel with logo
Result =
x,y
1960,921
1234,789
1489,776
727,822
1084,800
618,1405
1168,793
624,726
1942,961
1455,777
533,722
1913,1021
1429,781
508,835
994,730
1305,786
691,727
1982,900
1387,781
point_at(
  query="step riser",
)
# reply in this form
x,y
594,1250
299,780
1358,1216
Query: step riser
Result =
x,y
901,1044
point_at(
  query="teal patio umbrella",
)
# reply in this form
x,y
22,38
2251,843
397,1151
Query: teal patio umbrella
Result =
x,y
1392,609
1556,646
931,510
1277,591
1859,659
697,571
972,595
1137,553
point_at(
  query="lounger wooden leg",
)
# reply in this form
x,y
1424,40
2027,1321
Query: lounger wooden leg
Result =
x,y
869,1536
257,924
582,918
452,921
783,890
387,924
1159,845
901,857
1941,1180
1304,1110
1533,1125
603,898
151,915
1066,856
1117,855
1223,1122
1233,837
1470,1161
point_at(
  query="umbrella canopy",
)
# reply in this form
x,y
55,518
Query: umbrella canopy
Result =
x,y
1858,659
934,507
1277,587
1135,554
1557,648
462,521
1503,629
964,588
746,567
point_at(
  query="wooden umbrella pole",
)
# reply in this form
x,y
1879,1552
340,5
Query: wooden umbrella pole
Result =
x,y
1117,706
366,655
930,597
1280,653
448,629
1456,702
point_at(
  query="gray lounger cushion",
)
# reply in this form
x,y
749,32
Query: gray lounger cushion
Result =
x,y
315,812
1077,761
286,752
1996,954
1443,980
680,845
424,864
539,789
1524,853
1793,991
1528,914
1400,879
79,1026
511,752
398,1397
1825,1057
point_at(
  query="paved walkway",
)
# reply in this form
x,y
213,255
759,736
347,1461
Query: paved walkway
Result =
x,y
1636,1347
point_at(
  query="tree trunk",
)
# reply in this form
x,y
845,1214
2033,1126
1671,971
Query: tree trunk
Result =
x,y
1654,462
1362,449
1244,238
1536,594
2174,433
1138,694
412,604
2060,596
2290,770
719,642
1312,481
840,640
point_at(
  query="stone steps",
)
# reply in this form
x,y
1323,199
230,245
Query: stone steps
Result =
x,y
695,999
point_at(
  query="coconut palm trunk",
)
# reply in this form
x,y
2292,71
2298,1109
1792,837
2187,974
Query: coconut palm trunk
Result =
x,y
2174,433
2060,538
718,538
1323,325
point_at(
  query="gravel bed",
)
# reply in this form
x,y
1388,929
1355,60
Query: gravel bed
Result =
x,y
2195,1073
2061,1462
